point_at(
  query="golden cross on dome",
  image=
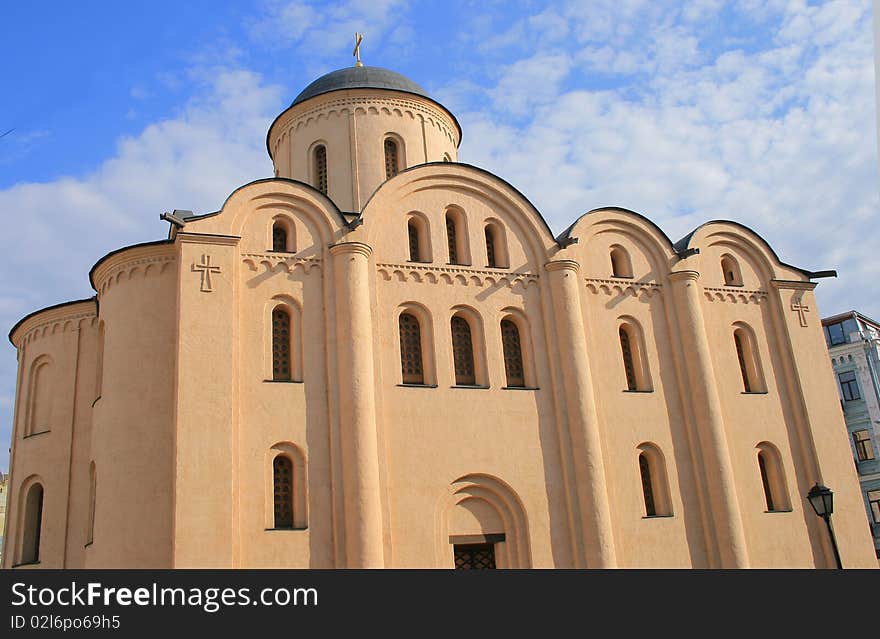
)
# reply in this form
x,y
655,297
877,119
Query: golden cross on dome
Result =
x,y
358,37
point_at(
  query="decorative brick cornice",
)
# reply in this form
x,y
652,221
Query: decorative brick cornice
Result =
x,y
458,275
280,261
623,287
734,295
62,319
145,260
294,119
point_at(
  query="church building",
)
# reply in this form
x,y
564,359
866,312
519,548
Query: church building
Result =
x,y
383,357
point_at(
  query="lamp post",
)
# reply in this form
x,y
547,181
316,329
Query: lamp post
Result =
x,y
822,500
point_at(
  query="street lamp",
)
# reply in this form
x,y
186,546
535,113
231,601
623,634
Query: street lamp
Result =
x,y
822,500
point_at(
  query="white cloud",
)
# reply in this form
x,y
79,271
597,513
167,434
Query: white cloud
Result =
x,y
780,137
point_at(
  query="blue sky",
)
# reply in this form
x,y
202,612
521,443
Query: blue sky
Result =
x,y
757,111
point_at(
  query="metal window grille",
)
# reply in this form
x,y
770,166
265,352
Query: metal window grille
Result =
x,y
513,362
280,345
410,349
391,166
451,240
321,169
463,352
474,557
282,472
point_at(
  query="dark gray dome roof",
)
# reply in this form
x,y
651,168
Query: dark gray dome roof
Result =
x,y
359,78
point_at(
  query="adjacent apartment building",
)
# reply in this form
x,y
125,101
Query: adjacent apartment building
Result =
x,y
854,344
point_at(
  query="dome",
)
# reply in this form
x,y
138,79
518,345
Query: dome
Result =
x,y
359,78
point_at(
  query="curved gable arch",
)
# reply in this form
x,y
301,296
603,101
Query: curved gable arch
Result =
x,y
524,221
290,196
653,243
747,244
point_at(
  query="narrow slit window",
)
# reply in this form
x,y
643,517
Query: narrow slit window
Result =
x,y
414,252
491,262
513,361
628,367
33,525
621,266
391,159
463,352
93,487
410,349
451,240
282,474
321,168
765,482
647,485
281,360
279,238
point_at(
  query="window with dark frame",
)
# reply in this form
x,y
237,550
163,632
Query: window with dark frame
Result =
x,y
410,349
474,556
874,503
463,352
835,334
863,445
279,238
282,479
740,355
628,367
765,481
513,361
321,168
451,241
414,253
391,163
281,345
849,386
647,486
490,248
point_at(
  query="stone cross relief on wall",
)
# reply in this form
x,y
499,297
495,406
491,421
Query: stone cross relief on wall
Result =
x,y
206,268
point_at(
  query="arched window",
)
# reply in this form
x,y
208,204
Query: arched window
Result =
x,y
40,400
628,366
446,158
282,476
93,487
414,253
490,247
496,246
655,488
282,237
411,349
452,238
392,165
463,352
281,359
647,485
749,365
320,168
731,271
635,365
772,478
513,360
33,524
621,266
